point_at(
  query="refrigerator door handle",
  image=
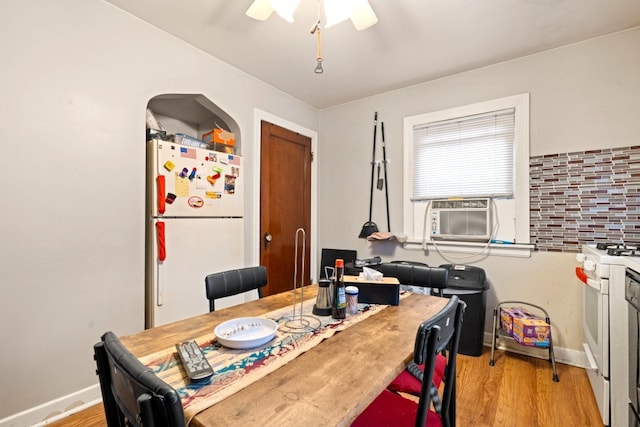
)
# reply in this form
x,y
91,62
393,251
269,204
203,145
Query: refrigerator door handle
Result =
x,y
162,247
160,196
162,255
159,285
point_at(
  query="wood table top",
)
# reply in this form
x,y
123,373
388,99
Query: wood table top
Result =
x,y
328,385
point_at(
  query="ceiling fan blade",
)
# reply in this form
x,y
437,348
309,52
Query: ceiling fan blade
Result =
x,y
260,10
285,8
362,15
336,11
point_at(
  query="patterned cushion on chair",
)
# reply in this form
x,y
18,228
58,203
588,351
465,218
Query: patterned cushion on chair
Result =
x,y
406,382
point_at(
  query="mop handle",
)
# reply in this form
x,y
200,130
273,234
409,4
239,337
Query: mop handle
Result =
x,y
373,164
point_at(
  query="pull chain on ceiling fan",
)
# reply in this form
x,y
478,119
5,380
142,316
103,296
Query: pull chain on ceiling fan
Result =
x,y
317,30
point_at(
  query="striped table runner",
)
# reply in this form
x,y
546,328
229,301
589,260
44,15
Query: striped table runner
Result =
x,y
236,369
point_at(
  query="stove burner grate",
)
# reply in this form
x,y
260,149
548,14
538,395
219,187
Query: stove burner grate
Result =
x,y
623,252
619,249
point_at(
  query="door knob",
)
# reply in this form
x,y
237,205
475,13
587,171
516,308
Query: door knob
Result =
x,y
267,239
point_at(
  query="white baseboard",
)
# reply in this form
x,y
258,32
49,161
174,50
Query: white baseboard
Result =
x,y
562,355
56,409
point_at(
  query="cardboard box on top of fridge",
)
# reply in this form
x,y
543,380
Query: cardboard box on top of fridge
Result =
x,y
183,139
525,327
219,136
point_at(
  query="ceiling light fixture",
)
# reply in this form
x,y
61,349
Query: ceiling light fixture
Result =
x,y
358,11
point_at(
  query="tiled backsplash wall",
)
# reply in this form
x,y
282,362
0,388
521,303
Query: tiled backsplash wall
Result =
x,y
585,197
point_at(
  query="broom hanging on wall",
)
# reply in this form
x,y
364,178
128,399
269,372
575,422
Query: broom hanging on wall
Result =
x,y
370,227
386,180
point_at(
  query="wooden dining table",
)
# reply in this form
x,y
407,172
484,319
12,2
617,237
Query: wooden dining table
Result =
x,y
329,385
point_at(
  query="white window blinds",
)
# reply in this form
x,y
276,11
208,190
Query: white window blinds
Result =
x,y
469,156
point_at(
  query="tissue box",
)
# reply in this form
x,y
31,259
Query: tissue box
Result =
x,y
370,275
525,327
386,291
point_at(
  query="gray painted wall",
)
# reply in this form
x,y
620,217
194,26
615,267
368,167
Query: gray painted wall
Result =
x,y
584,96
76,79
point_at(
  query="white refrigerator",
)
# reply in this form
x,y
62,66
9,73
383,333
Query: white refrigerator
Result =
x,y
195,227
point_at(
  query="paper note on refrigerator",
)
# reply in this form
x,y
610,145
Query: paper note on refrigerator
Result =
x,y
202,183
181,186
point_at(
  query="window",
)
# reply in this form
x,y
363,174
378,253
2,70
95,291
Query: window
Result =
x,y
479,150
465,157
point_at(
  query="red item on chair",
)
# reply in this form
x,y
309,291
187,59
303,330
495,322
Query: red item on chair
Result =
x,y
406,382
392,410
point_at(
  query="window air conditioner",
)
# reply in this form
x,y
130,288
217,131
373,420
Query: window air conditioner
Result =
x,y
460,219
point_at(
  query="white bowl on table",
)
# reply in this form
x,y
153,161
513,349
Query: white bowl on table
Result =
x,y
245,332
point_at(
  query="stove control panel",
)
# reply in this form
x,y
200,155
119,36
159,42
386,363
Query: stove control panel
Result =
x,y
589,266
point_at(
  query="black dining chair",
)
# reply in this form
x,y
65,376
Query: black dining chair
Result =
x,y
416,274
435,279
132,394
440,333
233,282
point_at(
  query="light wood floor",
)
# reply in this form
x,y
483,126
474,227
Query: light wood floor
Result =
x,y
517,392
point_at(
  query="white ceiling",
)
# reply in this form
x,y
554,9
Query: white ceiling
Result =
x,y
414,40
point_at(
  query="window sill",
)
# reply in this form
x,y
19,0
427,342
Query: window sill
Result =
x,y
519,250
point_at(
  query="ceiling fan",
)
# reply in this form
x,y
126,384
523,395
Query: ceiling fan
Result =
x,y
358,11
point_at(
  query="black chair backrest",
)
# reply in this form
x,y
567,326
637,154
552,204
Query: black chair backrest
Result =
x,y
435,335
233,282
329,256
131,393
415,274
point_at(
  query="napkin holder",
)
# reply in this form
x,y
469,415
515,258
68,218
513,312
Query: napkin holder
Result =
x,y
386,291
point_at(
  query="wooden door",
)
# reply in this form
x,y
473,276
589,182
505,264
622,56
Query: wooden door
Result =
x,y
285,205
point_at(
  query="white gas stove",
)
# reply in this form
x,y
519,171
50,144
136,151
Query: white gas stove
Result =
x,y
604,319
609,254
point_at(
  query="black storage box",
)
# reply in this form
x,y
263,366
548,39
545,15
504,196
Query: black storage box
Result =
x,y
470,285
